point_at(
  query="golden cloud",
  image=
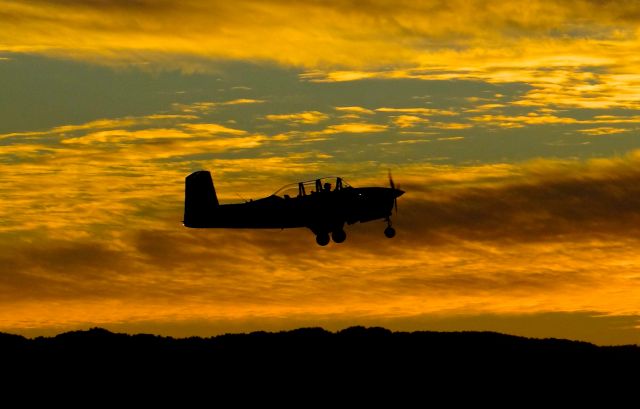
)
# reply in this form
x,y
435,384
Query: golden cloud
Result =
x,y
279,30
519,121
451,138
212,129
307,117
603,130
352,127
120,135
536,118
419,111
450,125
355,110
106,123
412,141
208,106
578,53
408,121
484,107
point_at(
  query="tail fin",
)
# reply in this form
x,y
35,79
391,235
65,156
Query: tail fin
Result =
x,y
200,199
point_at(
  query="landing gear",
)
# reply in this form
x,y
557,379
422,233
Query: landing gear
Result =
x,y
322,239
389,232
339,236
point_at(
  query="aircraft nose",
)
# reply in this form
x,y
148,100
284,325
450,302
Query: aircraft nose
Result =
x,y
397,192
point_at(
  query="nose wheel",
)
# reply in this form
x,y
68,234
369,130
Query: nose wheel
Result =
x,y
389,232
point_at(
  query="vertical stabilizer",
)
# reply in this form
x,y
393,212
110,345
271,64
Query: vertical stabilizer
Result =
x,y
200,200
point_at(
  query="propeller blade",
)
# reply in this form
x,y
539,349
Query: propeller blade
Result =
x,y
393,186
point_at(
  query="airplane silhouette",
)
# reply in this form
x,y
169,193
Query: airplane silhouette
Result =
x,y
312,204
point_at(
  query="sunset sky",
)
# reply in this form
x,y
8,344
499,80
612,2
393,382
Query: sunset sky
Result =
x,y
512,126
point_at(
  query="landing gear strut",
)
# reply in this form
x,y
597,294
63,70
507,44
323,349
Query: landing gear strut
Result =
x,y
389,232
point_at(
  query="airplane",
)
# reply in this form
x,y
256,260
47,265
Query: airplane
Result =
x,y
312,204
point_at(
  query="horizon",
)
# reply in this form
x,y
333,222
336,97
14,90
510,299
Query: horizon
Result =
x,y
512,128
359,330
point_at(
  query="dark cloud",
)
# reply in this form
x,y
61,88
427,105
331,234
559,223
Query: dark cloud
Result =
x,y
144,5
50,269
576,205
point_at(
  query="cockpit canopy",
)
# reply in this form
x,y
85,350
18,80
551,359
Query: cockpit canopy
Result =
x,y
308,187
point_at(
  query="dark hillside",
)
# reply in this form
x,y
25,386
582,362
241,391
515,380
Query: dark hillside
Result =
x,y
375,357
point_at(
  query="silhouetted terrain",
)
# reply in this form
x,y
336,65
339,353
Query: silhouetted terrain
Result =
x,y
375,357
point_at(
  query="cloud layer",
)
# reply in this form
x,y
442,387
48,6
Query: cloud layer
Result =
x,y
90,209
96,237
572,54
329,32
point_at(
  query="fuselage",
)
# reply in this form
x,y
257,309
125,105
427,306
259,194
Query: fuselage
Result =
x,y
349,205
312,204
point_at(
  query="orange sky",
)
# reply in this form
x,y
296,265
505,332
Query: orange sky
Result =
x,y
512,128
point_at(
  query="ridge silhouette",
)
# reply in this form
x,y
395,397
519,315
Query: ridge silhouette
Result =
x,y
376,358
354,341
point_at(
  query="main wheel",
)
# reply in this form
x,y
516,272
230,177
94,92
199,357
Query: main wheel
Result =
x,y
339,236
322,239
390,232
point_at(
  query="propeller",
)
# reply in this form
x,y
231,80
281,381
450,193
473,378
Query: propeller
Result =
x,y
393,186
